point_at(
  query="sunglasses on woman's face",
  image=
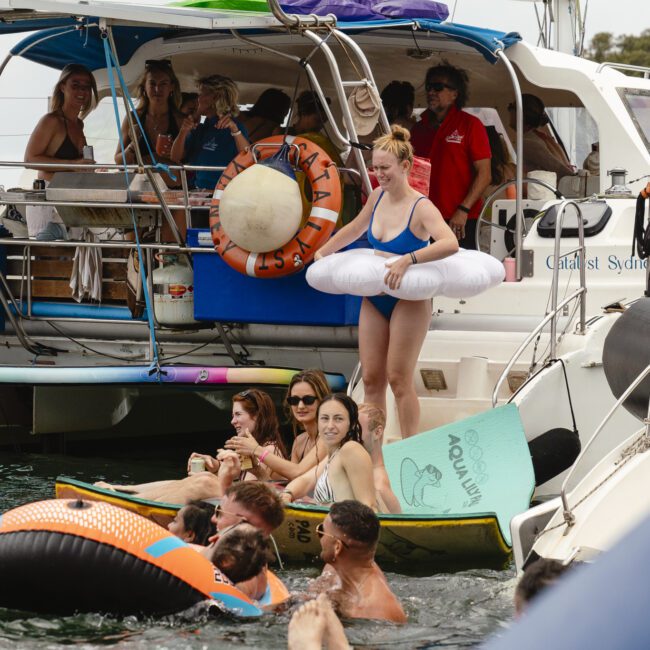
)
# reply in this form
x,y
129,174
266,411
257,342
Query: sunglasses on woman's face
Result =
x,y
307,400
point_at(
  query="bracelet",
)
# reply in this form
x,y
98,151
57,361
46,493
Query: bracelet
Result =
x,y
263,455
462,208
413,258
254,450
234,134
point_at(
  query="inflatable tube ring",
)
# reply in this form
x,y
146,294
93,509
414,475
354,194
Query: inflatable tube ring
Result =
x,y
295,254
359,272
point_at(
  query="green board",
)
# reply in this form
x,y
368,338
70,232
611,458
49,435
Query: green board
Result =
x,y
477,465
259,6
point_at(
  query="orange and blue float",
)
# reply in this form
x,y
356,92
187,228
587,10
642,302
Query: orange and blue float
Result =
x,y
64,556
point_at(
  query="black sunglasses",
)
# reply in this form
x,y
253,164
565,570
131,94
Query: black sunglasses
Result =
x,y
438,86
157,62
320,531
307,400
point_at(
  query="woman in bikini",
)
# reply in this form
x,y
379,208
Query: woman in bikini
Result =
x,y
306,391
59,137
252,411
346,472
399,221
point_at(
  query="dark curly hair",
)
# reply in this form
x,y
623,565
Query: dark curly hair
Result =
x,y
356,520
354,432
456,77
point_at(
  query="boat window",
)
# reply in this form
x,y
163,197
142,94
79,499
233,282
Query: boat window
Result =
x,y
637,103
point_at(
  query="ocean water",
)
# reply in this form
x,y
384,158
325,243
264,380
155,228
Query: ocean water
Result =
x,y
446,610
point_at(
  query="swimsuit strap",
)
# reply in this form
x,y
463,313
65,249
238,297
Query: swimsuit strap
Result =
x,y
408,223
372,216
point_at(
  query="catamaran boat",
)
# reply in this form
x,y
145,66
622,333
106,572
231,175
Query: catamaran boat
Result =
x,y
93,370
598,507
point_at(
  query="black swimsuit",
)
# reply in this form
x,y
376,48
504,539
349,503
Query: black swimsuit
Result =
x,y
68,149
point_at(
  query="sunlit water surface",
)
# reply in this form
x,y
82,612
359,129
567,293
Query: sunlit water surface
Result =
x,y
446,610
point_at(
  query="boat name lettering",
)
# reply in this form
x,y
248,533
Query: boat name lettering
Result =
x,y
299,530
613,263
457,458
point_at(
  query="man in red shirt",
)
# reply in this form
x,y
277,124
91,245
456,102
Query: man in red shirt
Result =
x,y
458,147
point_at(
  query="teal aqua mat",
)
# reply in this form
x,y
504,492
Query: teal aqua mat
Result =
x,y
475,466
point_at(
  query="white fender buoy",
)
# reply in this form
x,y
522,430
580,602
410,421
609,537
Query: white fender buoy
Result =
x,y
261,209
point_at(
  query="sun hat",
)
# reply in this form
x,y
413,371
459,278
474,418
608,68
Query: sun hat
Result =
x,y
364,104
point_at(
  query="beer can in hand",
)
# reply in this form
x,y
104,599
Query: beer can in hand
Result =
x,y
197,465
88,152
246,462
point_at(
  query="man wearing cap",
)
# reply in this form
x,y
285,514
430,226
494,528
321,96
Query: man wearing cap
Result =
x,y
458,147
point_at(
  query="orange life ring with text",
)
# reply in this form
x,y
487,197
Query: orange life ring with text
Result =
x,y
299,251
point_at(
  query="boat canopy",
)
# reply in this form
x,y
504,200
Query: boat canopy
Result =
x,y
56,42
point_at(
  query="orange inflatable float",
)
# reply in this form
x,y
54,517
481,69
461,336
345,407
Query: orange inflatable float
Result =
x,y
64,556
292,256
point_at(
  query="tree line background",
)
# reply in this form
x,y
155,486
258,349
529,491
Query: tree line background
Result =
x,y
633,50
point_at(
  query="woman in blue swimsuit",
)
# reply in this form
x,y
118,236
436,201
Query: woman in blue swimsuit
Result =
x,y
399,221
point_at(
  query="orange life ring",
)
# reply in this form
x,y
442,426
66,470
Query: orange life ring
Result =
x,y
326,190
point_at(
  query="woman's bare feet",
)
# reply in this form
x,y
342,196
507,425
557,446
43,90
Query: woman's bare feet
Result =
x,y
315,624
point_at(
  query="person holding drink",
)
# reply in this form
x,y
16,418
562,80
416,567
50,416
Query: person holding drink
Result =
x,y
159,95
215,140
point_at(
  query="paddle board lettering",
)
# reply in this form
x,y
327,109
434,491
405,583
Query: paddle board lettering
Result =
x,y
457,458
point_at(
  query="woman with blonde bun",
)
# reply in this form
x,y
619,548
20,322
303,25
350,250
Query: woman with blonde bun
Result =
x,y
399,221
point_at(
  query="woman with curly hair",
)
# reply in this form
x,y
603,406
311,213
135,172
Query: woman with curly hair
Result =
x,y
346,472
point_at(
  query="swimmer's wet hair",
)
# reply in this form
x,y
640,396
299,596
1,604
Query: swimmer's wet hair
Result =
x,y
357,521
197,517
396,142
242,553
258,497
537,576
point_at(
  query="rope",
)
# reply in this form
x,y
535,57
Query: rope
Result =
x,y
155,365
639,446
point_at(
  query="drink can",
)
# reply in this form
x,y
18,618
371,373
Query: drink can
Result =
x,y
164,142
88,153
246,463
197,465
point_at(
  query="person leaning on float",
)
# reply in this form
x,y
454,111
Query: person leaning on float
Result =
x,y
399,221
219,139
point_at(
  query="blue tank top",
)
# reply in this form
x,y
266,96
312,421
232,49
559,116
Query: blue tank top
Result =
x,y
403,243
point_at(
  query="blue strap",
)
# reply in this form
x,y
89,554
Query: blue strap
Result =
x,y
413,210
155,365
372,216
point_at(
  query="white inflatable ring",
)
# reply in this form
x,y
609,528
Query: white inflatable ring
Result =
x,y
360,272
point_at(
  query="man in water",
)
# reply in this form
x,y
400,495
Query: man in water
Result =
x,y
373,420
457,145
348,539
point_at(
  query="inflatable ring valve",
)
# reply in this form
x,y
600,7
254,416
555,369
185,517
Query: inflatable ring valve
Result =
x,y
295,254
